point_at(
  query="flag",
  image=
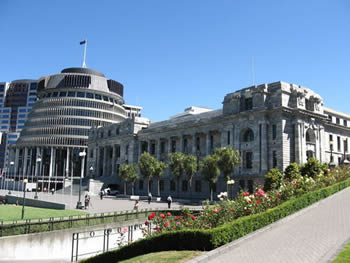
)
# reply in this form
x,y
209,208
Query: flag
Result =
x,y
83,42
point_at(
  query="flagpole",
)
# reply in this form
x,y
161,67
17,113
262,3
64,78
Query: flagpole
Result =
x,y
85,44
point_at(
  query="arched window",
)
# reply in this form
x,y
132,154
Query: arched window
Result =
x,y
310,136
248,136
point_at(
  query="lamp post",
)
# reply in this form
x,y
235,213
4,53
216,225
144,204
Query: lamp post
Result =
x,y
82,155
230,182
38,160
11,171
25,181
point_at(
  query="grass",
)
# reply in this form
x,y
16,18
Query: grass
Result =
x,y
343,256
12,212
164,256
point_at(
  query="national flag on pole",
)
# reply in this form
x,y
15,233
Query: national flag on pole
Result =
x,y
83,42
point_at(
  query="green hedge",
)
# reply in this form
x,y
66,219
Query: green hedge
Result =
x,y
205,240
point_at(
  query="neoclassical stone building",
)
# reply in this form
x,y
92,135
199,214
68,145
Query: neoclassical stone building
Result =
x,y
271,125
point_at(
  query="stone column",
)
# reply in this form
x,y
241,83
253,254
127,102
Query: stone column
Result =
x,y
104,161
264,147
98,161
182,143
113,159
67,163
16,163
25,161
51,162
194,149
207,143
169,145
30,172
158,148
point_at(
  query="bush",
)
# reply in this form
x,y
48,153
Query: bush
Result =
x,y
312,168
292,172
198,239
273,179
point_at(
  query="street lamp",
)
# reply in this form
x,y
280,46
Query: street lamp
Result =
x,y
38,160
230,182
82,155
91,171
25,181
11,171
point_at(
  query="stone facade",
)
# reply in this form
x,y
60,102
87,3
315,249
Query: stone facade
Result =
x,y
271,125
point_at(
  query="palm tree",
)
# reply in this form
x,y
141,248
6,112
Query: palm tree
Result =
x,y
159,172
176,165
210,171
190,167
128,172
228,159
147,166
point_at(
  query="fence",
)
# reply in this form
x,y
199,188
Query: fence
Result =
x,y
90,243
28,226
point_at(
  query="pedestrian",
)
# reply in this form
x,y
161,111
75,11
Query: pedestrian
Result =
x,y
136,205
169,199
87,201
149,197
52,190
102,193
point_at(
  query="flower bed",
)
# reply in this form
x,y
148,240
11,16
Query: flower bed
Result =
x,y
216,231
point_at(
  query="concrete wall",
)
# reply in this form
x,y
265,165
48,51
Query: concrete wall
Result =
x,y
55,245
34,202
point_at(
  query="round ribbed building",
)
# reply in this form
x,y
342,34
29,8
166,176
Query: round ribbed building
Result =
x,y
68,105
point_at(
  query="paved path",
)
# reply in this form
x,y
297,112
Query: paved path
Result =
x,y
315,234
108,204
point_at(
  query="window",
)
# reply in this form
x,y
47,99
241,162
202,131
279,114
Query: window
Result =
x,y
248,136
345,123
345,145
105,98
337,120
91,154
228,138
153,148
109,133
330,137
55,94
198,143
98,97
173,146
172,186
249,160
198,186
89,95
338,143
161,185
162,147
274,159
127,149
117,131
80,94
211,142
63,94
71,94
141,185
184,186
241,185
250,186
185,145
248,103
274,132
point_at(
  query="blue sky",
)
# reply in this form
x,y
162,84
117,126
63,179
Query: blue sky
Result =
x,y
173,54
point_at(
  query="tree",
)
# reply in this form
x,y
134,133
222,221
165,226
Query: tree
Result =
x,y
273,179
210,171
176,165
190,167
128,172
228,159
159,172
147,166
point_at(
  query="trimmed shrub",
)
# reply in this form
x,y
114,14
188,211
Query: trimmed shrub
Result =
x,y
292,172
273,179
311,168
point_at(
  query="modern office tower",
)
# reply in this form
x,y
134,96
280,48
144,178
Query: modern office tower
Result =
x,y
56,132
16,101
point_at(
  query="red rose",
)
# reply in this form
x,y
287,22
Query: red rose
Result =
x,y
169,214
278,194
162,215
258,202
215,210
157,228
146,223
246,194
166,224
193,218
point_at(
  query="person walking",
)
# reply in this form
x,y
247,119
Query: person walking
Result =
x,y
169,199
102,193
87,201
149,197
136,205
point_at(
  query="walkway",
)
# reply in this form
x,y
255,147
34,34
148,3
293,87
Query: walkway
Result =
x,y
314,234
108,204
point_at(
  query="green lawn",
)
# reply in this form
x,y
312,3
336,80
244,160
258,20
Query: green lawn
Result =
x,y
344,256
164,256
12,212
